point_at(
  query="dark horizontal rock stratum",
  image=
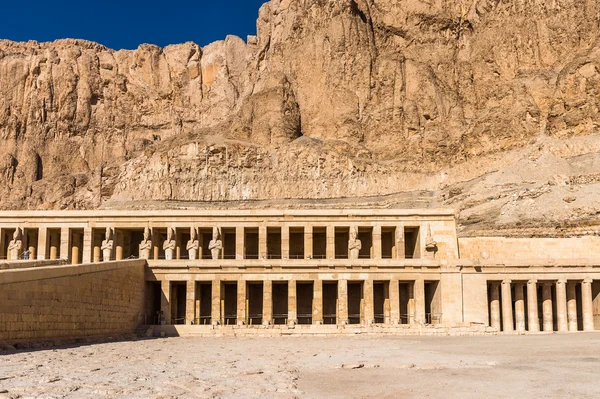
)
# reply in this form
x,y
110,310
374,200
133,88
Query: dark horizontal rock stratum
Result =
x,y
486,106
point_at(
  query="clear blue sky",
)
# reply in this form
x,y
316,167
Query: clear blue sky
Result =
x,y
126,24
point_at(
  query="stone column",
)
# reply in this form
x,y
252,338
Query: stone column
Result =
x,y
87,245
215,312
308,242
97,254
165,301
572,306
239,243
2,254
119,244
386,304
292,308
330,250
318,301
377,242
54,245
190,302
42,242
507,312
267,302
241,302
400,250
495,306
30,244
64,243
519,307
561,305
533,318
94,248
201,246
262,243
75,250
548,323
394,302
177,238
587,306
419,295
285,241
368,298
342,316
197,305
156,244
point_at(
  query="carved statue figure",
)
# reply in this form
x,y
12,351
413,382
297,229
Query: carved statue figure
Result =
x,y
430,245
354,244
216,245
146,245
107,245
15,245
169,245
193,244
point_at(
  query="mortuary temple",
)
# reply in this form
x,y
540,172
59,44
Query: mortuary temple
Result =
x,y
336,270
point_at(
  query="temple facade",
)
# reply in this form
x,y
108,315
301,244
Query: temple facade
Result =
x,y
342,268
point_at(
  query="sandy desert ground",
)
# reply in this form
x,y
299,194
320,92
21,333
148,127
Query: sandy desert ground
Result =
x,y
544,366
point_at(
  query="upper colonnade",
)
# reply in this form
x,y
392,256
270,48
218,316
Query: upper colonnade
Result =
x,y
230,235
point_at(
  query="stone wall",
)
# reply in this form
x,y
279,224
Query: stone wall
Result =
x,y
529,248
27,264
60,302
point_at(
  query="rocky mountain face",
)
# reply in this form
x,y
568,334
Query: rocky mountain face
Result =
x,y
487,106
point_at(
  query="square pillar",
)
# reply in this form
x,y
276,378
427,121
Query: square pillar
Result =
x,y
165,301
572,306
190,302
197,304
215,312
394,302
285,241
519,307
241,303
308,242
419,295
318,301
342,315
267,302
42,241
507,313
2,254
533,318
387,308
495,318
368,298
239,243
87,245
64,243
561,305
330,250
292,308
377,242
262,242
54,242
156,244
587,306
547,311
177,238
400,249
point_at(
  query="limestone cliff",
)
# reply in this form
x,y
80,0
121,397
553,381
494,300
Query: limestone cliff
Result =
x,y
487,106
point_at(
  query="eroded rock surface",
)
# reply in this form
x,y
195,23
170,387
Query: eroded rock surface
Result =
x,y
331,99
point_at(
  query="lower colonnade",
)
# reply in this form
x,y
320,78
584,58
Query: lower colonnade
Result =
x,y
296,302
541,305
